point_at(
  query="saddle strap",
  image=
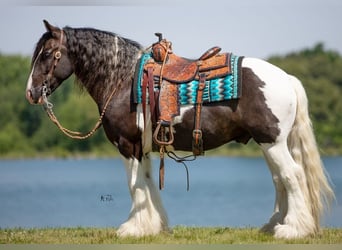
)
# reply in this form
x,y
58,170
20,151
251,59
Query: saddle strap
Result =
x,y
153,96
144,96
148,82
197,142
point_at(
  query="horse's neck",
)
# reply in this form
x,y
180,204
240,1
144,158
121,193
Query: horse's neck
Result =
x,y
104,68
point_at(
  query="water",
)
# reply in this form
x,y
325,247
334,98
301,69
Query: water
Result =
x,y
223,191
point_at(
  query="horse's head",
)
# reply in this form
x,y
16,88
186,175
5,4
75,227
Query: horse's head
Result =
x,y
50,65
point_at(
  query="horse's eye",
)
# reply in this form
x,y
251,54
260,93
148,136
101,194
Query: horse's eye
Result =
x,y
46,54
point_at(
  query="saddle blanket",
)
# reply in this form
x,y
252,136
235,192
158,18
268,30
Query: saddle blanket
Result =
x,y
218,89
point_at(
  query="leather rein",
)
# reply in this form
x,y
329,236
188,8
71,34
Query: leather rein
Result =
x,y
48,105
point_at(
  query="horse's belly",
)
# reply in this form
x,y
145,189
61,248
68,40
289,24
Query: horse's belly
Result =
x,y
217,126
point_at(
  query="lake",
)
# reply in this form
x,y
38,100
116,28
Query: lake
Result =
x,y
224,191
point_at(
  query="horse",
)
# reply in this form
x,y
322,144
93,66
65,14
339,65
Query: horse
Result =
x,y
272,111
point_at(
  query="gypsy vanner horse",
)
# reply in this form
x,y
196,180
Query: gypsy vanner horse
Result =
x,y
273,111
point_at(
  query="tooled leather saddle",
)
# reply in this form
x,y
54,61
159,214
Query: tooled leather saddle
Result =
x,y
161,72
164,71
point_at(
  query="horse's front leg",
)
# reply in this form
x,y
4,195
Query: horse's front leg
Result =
x,y
147,216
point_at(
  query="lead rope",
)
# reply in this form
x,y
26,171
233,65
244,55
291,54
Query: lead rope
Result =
x,y
48,105
182,160
73,134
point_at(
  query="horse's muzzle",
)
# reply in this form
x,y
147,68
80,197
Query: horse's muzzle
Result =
x,y
34,97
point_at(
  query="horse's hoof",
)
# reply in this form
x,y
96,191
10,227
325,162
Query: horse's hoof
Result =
x,y
127,230
274,220
288,232
130,229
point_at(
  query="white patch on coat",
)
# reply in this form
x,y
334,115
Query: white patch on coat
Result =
x,y
277,89
30,80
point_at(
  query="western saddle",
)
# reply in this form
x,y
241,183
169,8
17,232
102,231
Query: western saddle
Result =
x,y
161,75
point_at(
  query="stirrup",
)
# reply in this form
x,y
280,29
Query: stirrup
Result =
x,y
161,129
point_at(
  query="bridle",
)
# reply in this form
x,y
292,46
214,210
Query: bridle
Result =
x,y
48,105
57,56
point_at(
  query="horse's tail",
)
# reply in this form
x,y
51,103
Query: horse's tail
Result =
x,y
303,148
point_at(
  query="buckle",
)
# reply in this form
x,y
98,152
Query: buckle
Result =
x,y
58,55
197,134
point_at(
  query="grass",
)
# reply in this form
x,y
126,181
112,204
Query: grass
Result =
x,y
179,235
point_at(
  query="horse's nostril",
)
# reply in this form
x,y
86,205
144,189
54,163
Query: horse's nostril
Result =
x,y
29,96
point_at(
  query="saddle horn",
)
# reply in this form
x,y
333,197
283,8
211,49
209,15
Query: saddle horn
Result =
x,y
160,49
160,36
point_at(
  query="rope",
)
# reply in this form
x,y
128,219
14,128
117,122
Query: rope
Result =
x,y
167,48
182,160
73,134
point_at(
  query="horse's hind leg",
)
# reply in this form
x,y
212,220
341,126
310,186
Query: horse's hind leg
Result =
x,y
147,216
280,206
298,221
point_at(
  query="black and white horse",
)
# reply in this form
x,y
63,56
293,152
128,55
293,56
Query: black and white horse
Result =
x,y
273,111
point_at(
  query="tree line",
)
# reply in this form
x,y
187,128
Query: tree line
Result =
x,y
26,131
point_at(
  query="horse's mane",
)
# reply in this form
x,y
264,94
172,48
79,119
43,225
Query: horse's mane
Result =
x,y
101,58
99,36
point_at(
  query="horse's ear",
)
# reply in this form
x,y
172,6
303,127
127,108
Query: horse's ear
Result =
x,y
55,31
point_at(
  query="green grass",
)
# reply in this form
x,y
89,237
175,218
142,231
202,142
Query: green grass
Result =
x,y
179,235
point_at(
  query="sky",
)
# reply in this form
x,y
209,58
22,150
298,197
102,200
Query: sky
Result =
x,y
254,28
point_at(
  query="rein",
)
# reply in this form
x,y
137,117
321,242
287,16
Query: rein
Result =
x,y
74,134
48,105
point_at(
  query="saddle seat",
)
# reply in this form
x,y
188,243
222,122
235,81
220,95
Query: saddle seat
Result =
x,y
178,69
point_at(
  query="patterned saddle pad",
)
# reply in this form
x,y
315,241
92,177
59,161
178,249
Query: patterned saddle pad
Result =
x,y
217,89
